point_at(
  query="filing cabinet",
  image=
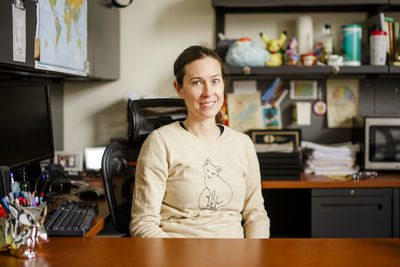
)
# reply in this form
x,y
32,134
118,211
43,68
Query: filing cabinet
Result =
x,y
351,212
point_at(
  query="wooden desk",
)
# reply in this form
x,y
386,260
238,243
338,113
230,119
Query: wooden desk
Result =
x,y
317,201
61,251
103,211
321,181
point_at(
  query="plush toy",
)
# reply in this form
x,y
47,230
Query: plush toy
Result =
x,y
275,49
244,52
223,44
292,57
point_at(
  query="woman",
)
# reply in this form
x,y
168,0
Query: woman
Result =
x,y
197,178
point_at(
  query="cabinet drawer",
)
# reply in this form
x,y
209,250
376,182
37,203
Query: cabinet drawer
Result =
x,y
357,214
351,192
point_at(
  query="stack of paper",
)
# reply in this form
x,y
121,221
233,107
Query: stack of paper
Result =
x,y
337,159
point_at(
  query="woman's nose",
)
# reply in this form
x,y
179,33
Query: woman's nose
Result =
x,y
207,88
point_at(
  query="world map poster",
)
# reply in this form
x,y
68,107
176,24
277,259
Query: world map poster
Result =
x,y
61,36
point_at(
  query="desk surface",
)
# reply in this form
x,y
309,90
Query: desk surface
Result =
x,y
321,181
97,251
103,211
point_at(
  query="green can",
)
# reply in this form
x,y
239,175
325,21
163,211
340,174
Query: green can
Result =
x,y
351,44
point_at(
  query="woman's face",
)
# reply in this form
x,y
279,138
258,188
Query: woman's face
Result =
x,y
202,89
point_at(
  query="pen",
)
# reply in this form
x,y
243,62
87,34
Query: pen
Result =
x,y
5,204
11,196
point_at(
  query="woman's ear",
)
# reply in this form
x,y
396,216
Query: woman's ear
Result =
x,y
178,89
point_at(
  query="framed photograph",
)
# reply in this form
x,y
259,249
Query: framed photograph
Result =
x,y
271,117
71,161
303,90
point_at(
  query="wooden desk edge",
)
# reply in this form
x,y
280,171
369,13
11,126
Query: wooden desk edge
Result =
x,y
98,225
321,181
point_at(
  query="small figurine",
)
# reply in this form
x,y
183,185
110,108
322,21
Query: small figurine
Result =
x,y
275,49
24,231
292,57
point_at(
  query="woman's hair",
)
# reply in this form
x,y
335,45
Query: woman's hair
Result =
x,y
190,54
193,53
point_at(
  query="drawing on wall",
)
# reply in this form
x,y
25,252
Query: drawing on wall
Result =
x,y
302,90
342,100
244,111
271,117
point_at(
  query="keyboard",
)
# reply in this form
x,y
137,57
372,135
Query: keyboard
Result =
x,y
71,218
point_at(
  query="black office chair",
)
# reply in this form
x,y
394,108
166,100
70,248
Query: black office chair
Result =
x,y
119,158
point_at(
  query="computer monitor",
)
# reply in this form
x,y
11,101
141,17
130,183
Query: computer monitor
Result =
x,y
93,157
26,135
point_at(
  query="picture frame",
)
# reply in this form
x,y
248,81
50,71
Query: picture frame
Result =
x,y
303,90
70,161
289,137
271,117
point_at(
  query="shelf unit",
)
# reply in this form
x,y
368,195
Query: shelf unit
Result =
x,y
223,7
235,71
103,52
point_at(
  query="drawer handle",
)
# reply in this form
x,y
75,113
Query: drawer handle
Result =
x,y
377,206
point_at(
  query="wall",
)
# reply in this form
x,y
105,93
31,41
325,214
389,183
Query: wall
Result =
x,y
153,33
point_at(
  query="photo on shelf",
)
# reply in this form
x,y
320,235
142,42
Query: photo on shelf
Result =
x,y
303,90
70,161
271,117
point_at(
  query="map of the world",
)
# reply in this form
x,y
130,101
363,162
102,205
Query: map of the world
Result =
x,y
62,31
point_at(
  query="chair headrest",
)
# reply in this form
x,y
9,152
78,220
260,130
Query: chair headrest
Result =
x,y
146,115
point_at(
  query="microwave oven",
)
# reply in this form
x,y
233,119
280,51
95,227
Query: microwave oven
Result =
x,y
382,143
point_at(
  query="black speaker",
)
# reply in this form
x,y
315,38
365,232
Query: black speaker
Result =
x,y
5,184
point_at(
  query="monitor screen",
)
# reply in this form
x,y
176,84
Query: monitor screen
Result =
x,y
93,157
384,143
26,134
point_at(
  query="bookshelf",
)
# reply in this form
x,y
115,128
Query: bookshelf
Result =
x,y
371,7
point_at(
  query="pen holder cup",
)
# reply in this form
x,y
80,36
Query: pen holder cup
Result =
x,y
23,233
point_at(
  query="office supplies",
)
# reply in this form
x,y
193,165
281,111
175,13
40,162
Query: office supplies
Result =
x,y
23,230
71,218
278,153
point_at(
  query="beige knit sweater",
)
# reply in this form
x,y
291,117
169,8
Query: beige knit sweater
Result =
x,y
189,187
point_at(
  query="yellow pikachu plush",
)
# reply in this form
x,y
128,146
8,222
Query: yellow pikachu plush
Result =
x,y
274,47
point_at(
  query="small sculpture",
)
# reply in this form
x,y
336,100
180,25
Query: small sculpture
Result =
x,y
275,49
24,231
292,57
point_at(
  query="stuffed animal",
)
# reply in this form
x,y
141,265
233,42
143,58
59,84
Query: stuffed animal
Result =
x,y
223,44
244,52
292,57
275,49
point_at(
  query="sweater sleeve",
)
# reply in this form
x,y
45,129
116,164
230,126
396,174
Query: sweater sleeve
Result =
x,y
256,222
149,188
